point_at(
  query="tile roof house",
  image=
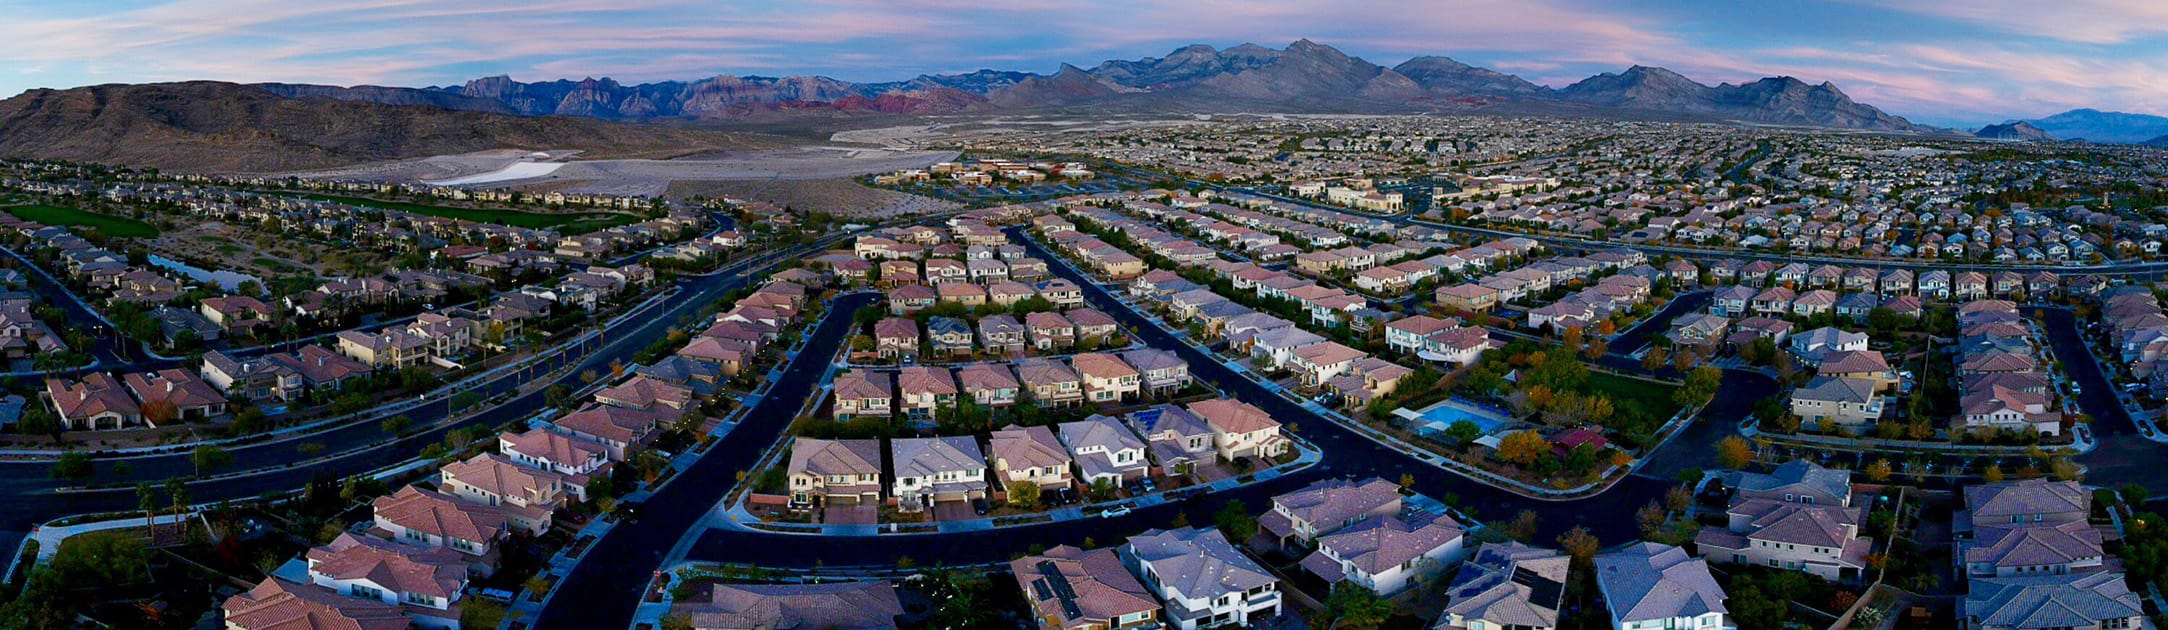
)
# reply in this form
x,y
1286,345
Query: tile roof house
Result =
x,y
1050,382
426,582
1075,589
1653,583
1176,438
2013,549
1820,539
1387,554
1506,585
844,472
1203,579
1029,455
426,517
1104,449
988,384
256,378
190,396
936,469
95,403
1860,364
896,337
1003,333
530,495
1240,429
621,431
646,393
2094,601
1848,402
1163,371
2027,501
869,605
276,604
1798,480
1049,330
1327,506
578,460
864,394
922,391
1107,379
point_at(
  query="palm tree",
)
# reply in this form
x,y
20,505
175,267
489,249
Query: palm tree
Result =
x,y
147,499
177,490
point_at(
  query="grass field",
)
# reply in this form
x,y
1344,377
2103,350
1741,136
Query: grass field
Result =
x,y
1656,398
107,225
567,223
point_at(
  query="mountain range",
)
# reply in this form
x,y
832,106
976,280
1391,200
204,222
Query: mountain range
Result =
x,y
1303,77
2019,130
2099,126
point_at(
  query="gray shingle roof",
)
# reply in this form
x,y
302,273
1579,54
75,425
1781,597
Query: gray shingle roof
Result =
x,y
2050,601
1657,581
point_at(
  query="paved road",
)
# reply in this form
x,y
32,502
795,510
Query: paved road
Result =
x,y
27,497
2121,455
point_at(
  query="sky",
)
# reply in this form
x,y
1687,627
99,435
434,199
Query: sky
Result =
x,y
1945,62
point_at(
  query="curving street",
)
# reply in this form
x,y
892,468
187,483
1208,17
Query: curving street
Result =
x,y
622,563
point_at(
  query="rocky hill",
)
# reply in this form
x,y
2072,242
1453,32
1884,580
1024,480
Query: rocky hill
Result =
x,y
1304,76
2019,130
224,127
2099,126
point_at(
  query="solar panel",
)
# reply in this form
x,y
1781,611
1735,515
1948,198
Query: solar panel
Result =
x,y
1541,590
1052,577
1039,587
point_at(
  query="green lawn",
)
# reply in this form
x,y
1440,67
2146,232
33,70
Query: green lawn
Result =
x,y
567,223
1654,397
107,225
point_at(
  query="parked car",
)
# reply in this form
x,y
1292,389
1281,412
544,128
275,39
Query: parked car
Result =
x,y
979,506
1115,511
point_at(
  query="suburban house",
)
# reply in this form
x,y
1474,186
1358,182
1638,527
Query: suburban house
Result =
x,y
895,337
276,604
1848,402
1654,585
621,431
842,472
1029,455
1204,580
988,384
1387,554
1074,589
1300,517
426,583
1177,439
867,605
924,390
1050,382
861,394
1107,379
1163,371
1104,449
936,470
1240,429
578,460
530,496
1796,533
424,517
1506,585
98,402
258,378
2090,601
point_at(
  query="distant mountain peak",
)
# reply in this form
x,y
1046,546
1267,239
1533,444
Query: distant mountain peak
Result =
x,y
2019,130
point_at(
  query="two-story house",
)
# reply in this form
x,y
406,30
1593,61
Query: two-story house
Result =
x,y
1105,450
1203,579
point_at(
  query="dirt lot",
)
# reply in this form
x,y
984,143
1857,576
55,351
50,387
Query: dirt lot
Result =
x,y
842,197
239,249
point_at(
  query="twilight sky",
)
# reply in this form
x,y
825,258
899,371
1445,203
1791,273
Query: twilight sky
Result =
x,y
1936,61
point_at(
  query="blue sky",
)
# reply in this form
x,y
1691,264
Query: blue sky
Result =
x,y
1937,61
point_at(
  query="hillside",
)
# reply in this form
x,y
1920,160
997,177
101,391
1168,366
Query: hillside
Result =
x,y
225,127
1303,77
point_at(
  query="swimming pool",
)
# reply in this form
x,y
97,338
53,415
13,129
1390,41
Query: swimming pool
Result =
x,y
1439,417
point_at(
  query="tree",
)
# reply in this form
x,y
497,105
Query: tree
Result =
x,y
1236,522
1580,544
1355,607
37,420
1878,471
209,457
147,500
1463,431
1654,359
1733,452
1523,447
396,425
1993,474
1024,494
1523,526
161,412
177,492
1595,349
73,466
